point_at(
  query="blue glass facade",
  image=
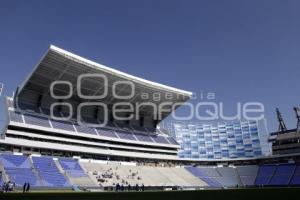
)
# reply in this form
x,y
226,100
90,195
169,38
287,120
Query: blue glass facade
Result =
x,y
223,141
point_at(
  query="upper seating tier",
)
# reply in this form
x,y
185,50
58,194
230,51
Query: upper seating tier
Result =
x,y
15,116
36,120
115,130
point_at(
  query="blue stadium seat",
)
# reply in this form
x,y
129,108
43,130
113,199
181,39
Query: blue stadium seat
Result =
x,y
36,120
265,174
72,167
143,137
18,169
160,139
283,175
203,176
295,180
64,125
49,172
85,129
172,140
125,135
106,132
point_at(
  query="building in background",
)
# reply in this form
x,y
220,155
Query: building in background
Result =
x,y
244,139
286,141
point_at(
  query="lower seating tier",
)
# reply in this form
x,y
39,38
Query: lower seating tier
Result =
x,y
44,171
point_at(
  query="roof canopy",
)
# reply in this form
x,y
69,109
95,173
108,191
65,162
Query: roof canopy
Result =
x,y
60,65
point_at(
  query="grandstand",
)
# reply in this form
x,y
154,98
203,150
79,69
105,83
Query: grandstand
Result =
x,y
65,151
53,172
31,128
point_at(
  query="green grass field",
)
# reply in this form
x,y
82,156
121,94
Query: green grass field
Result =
x,y
238,194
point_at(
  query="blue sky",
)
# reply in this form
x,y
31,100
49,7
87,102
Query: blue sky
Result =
x,y
241,50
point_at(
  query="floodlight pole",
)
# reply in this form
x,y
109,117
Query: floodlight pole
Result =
x,y
282,126
297,111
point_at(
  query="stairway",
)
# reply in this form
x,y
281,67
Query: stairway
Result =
x,y
35,171
240,183
62,171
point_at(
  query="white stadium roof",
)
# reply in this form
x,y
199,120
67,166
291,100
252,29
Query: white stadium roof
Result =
x,y
110,70
60,65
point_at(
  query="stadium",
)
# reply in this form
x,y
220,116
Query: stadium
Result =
x,y
60,134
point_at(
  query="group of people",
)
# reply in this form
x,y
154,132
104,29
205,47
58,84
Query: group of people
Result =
x,y
129,188
26,187
8,186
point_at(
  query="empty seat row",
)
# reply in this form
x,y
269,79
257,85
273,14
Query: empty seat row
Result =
x,y
45,171
278,175
38,120
72,167
18,169
49,172
201,174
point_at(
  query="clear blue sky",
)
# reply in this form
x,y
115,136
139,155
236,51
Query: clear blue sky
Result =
x,y
241,50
